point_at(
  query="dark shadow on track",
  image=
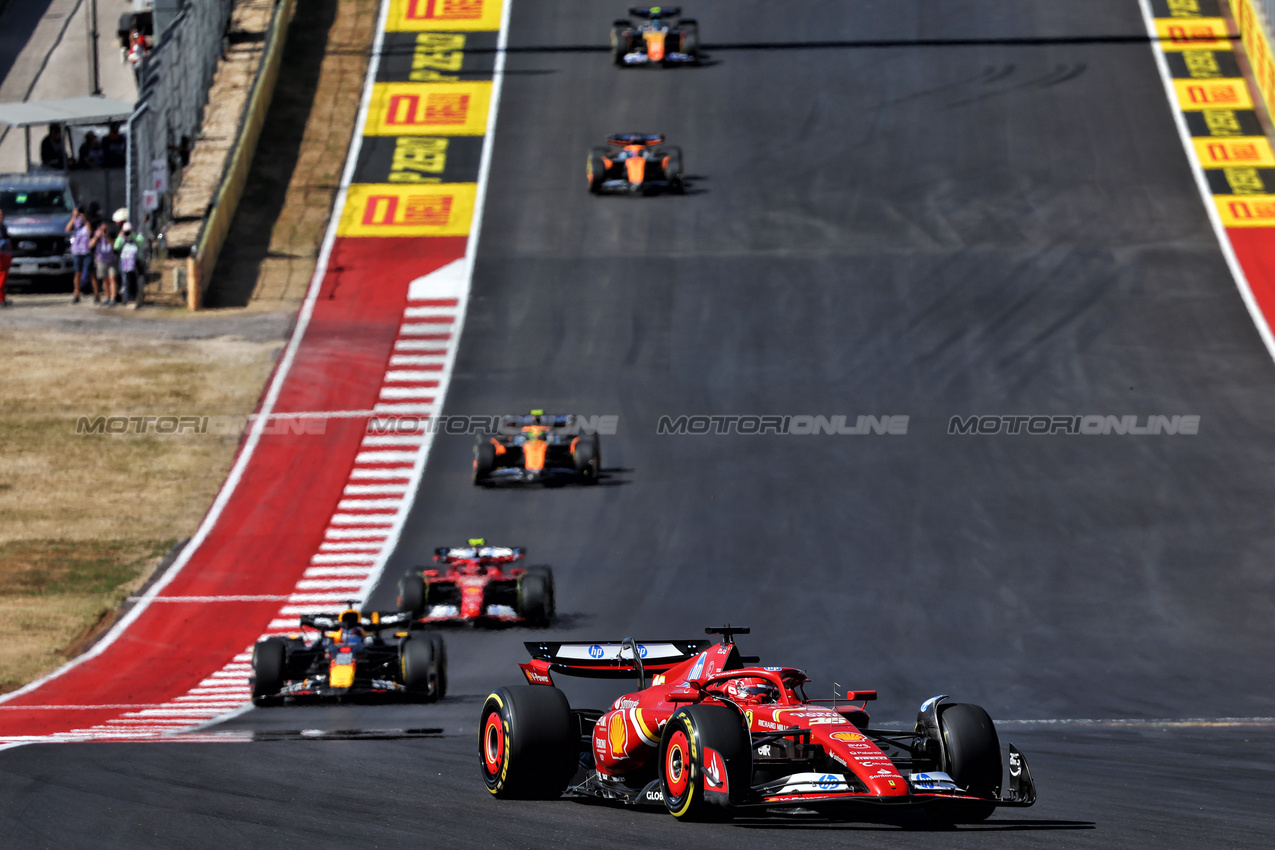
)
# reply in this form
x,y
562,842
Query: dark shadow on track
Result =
x,y
863,826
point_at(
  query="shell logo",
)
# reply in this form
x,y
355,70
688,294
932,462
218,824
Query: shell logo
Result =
x,y
848,736
619,734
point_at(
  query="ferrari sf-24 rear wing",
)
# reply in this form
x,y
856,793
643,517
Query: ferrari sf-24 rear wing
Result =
x,y
607,659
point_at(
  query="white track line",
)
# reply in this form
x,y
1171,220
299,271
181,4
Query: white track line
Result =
x,y
260,421
1202,184
355,567
462,306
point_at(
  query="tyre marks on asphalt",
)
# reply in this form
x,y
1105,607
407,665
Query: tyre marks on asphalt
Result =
x,y
1224,138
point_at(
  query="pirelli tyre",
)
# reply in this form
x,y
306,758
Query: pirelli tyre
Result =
x,y
418,666
440,659
412,594
972,752
269,665
596,169
690,37
673,170
551,593
484,460
535,599
706,763
587,458
619,42
528,743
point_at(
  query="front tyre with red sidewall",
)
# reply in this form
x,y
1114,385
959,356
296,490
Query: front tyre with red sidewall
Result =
x,y
705,763
529,744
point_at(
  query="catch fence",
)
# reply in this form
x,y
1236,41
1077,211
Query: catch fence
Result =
x,y
173,84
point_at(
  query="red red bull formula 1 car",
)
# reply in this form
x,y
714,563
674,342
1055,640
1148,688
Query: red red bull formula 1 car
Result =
x,y
709,734
655,35
635,164
538,448
479,584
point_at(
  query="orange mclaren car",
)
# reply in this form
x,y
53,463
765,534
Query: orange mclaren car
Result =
x,y
635,164
538,448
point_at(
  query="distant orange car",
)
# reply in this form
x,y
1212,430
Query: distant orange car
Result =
x,y
539,447
655,35
636,164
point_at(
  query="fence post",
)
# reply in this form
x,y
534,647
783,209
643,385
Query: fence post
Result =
x,y
194,285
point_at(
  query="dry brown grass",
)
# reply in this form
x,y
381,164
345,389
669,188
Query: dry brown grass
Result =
x,y
56,484
85,518
54,592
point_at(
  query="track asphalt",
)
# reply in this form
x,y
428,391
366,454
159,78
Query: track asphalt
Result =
x,y
987,213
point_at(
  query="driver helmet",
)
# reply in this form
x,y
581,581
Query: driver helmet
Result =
x,y
752,690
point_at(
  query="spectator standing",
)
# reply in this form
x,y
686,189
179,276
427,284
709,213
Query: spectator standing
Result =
x,y
114,147
130,248
81,255
91,154
52,151
6,259
105,262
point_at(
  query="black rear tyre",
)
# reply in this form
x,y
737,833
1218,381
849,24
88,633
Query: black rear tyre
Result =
x,y
619,42
587,458
551,591
673,170
418,667
528,745
690,38
973,752
269,664
484,461
693,790
411,594
534,600
440,662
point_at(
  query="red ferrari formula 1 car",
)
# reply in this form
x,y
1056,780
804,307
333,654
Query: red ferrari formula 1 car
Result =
x,y
479,584
636,164
709,735
655,35
538,448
